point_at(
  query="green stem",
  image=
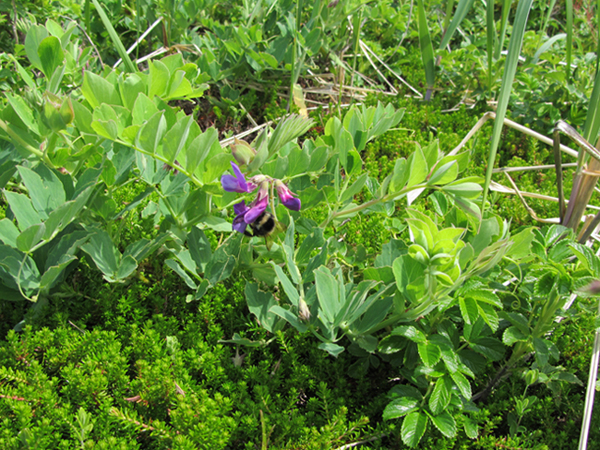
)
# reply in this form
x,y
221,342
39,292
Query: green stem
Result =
x,y
4,126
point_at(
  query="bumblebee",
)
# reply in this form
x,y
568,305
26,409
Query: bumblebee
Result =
x,y
264,225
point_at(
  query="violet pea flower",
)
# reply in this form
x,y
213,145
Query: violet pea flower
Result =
x,y
236,183
287,197
239,224
260,204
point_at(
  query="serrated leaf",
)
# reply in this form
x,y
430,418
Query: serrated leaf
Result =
x,y
445,423
430,353
468,310
400,407
411,333
513,334
413,428
441,395
462,383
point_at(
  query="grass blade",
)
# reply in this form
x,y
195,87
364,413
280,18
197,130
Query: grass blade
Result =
x,y
592,121
129,66
463,7
510,68
426,48
491,38
569,8
505,11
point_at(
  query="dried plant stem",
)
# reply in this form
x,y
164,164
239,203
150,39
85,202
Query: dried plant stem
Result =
x,y
591,391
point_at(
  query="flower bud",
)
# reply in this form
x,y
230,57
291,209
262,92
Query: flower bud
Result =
x,y
287,197
303,311
242,152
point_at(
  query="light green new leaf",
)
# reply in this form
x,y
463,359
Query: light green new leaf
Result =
x,y
97,90
35,35
151,134
51,55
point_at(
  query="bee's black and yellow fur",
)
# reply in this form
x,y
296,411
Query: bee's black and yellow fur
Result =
x,y
264,225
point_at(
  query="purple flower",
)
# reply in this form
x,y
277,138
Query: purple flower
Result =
x,y
287,197
237,183
239,224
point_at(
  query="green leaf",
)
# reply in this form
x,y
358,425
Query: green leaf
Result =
x,y
444,174
8,232
176,138
291,318
287,285
471,428
126,268
430,353
22,208
97,90
24,112
46,190
489,347
426,46
259,304
53,273
288,129
462,383
441,395
327,293
51,55
489,315
418,167
198,150
333,349
298,162
356,187
35,35
462,9
445,423
151,134
102,250
221,264
512,335
410,332
199,246
400,407
30,237
174,265
413,427
468,310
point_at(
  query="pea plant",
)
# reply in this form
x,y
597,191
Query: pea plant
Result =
x,y
452,292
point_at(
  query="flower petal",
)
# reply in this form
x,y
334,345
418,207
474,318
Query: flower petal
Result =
x,y
292,203
230,183
240,176
257,209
